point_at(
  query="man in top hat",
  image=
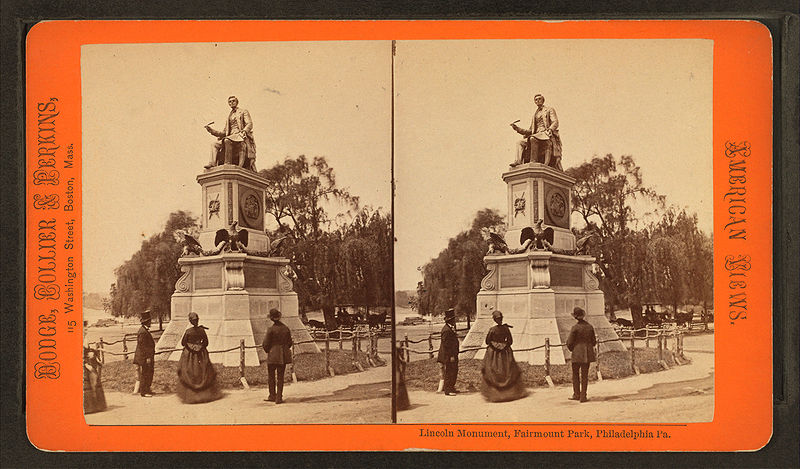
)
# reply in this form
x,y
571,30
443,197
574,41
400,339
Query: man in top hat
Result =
x,y
145,355
277,344
448,352
581,342
541,138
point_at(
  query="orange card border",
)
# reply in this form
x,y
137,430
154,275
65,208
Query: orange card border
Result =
x,y
742,112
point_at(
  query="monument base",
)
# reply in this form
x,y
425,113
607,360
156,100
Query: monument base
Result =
x,y
536,292
233,293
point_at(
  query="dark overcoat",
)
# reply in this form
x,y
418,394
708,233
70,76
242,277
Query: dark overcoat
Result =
x,y
581,342
145,346
277,343
449,345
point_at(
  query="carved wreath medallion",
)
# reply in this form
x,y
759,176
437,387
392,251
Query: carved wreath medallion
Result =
x,y
557,205
251,206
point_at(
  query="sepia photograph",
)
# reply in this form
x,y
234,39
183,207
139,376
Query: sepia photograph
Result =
x,y
474,235
553,216
237,233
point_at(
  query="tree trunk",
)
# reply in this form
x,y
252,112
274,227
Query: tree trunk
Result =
x,y
329,311
637,316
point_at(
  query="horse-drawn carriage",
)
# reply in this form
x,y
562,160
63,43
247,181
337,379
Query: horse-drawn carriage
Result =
x,y
343,319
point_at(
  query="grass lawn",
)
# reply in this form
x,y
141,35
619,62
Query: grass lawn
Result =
x,y
121,375
424,374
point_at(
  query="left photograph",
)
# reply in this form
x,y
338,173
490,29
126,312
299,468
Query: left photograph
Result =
x,y
237,233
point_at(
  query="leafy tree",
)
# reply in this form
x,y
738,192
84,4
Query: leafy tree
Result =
x,y
401,298
668,264
298,192
365,260
344,259
604,195
453,278
694,250
147,279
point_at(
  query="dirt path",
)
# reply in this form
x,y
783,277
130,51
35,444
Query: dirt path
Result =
x,y
680,394
355,398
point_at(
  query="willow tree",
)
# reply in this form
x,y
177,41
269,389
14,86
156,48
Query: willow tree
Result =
x,y
693,250
453,278
147,279
341,253
604,196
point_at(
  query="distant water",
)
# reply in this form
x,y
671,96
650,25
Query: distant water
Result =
x,y
402,312
93,315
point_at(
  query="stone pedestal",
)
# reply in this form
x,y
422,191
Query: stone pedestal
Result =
x,y
536,191
232,292
231,193
537,290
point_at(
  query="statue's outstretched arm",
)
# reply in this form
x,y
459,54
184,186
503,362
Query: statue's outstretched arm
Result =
x,y
215,133
521,131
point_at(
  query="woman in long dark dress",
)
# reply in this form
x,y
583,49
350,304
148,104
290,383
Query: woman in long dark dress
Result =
x,y
502,379
94,400
197,378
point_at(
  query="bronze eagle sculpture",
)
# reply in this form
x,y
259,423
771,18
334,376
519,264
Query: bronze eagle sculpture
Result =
x,y
538,237
190,244
235,240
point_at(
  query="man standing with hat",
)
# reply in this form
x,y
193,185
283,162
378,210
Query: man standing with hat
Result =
x,y
448,352
277,344
145,355
581,342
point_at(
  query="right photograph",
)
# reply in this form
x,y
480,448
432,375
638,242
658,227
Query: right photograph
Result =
x,y
553,221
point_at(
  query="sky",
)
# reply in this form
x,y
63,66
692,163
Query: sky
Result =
x,y
454,101
144,107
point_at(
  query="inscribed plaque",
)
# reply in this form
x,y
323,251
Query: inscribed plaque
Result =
x,y
566,275
207,276
260,276
514,275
